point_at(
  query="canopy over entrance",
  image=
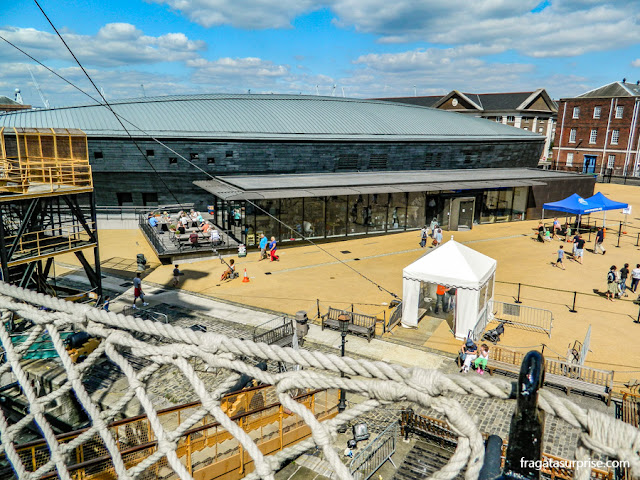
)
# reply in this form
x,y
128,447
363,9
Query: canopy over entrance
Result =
x,y
469,274
575,205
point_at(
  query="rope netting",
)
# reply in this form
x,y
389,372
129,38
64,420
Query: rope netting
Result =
x,y
381,383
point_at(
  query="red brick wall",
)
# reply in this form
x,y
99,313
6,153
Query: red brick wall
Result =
x,y
585,123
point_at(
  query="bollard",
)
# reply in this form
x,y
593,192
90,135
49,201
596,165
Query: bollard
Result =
x,y
318,305
619,234
573,309
589,227
384,321
638,240
518,300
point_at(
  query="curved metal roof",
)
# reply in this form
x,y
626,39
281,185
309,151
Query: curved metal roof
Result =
x,y
250,116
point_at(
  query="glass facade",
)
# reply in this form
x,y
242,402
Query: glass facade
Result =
x,y
342,215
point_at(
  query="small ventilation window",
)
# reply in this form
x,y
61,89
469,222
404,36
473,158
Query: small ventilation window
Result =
x,y
229,154
97,155
151,153
432,160
378,161
173,160
347,162
211,160
467,159
195,156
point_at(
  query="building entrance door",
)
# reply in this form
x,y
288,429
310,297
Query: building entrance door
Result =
x,y
589,165
465,214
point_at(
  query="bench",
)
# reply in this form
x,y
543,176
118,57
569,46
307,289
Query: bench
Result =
x,y
558,373
359,324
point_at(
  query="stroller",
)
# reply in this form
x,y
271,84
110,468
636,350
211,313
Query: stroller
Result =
x,y
493,335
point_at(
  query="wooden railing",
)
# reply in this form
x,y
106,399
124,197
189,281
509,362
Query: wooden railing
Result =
x,y
207,449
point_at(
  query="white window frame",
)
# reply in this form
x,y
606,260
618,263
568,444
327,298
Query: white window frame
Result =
x,y
511,118
611,161
615,137
619,112
593,136
569,159
572,135
576,112
597,111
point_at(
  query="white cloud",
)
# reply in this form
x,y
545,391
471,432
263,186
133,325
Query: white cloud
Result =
x,y
114,44
237,74
636,63
565,28
251,14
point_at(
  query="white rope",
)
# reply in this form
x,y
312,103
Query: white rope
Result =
x,y
381,382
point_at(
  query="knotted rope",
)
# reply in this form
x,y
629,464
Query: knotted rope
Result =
x,y
381,382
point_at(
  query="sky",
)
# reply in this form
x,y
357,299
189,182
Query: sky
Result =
x,y
355,48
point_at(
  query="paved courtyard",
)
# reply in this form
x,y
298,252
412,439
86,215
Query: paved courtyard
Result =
x,y
308,276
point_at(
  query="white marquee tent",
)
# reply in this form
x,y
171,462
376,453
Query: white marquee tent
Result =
x,y
452,265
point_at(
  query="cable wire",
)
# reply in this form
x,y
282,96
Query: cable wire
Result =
x,y
122,120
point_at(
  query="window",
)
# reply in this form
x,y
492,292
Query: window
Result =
x,y
593,137
596,112
124,198
194,156
619,112
97,155
526,119
347,162
540,130
211,160
611,161
526,128
151,153
572,135
569,159
498,119
173,160
378,161
576,112
511,119
615,135
150,198
229,154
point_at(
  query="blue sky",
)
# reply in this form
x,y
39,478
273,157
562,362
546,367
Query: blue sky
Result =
x,y
368,48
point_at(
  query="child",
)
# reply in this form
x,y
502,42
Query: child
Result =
x,y
480,364
105,305
176,276
228,273
568,234
560,258
547,236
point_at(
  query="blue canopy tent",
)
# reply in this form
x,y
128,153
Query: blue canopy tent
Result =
x,y
606,203
573,204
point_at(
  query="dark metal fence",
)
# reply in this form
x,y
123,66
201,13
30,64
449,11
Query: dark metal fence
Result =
x,y
374,455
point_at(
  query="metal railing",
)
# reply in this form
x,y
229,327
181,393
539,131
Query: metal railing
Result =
x,y
395,318
523,316
145,314
374,455
481,325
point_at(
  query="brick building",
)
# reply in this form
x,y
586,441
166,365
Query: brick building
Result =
x,y
533,111
599,131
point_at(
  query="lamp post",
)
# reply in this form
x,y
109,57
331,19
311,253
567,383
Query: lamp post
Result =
x,y
344,320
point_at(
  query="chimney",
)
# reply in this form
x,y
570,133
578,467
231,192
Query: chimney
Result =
x,y
624,80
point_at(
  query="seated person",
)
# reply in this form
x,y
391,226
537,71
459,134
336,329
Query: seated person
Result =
x,y
215,237
181,229
199,216
480,363
193,238
470,352
228,273
153,221
205,227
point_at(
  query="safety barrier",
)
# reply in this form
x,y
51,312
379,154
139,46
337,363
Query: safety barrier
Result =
x,y
146,314
523,316
374,455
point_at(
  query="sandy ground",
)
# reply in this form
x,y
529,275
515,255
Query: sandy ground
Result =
x,y
362,271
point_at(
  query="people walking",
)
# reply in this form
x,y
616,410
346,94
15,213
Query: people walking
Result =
x,y
556,228
263,246
599,241
137,291
612,284
579,249
273,245
635,278
437,236
559,262
424,235
624,274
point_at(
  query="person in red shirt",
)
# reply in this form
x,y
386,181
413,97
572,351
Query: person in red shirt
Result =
x,y
441,290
